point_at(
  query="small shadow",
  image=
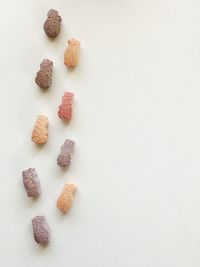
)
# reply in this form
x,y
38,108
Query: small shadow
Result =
x,y
60,170
43,90
37,147
64,123
63,169
41,248
34,199
60,213
71,69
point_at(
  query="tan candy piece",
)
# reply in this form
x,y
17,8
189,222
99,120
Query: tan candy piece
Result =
x,y
65,200
71,56
40,132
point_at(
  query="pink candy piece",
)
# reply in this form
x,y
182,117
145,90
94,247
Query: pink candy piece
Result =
x,y
65,109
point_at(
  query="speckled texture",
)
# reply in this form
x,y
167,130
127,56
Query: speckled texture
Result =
x,y
66,107
40,132
66,151
44,75
31,183
71,56
41,231
52,23
65,200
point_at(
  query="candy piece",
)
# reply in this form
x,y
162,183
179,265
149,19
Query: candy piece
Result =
x,y
64,202
52,23
44,75
40,132
65,109
71,56
41,230
31,183
66,151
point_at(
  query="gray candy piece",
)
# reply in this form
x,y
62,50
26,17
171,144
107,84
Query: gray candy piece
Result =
x,y
52,23
41,231
44,75
67,149
31,182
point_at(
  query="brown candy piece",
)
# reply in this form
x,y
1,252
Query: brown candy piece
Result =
x,y
44,75
71,56
66,151
41,231
40,131
31,183
65,200
52,23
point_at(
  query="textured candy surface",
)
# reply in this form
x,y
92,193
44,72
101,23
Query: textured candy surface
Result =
x,y
44,75
41,230
40,132
71,56
52,23
31,182
65,109
65,200
66,151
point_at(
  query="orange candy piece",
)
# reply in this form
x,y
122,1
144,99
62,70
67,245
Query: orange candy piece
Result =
x,y
65,200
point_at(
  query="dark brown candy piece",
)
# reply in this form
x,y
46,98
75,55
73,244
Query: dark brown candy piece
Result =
x,y
41,231
52,23
44,75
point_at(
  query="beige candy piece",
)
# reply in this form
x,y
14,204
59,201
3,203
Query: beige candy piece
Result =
x,y
71,56
40,132
65,200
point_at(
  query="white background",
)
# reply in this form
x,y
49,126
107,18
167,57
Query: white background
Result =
x,y
136,125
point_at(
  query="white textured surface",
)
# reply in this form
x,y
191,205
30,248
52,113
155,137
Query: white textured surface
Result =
x,y
136,125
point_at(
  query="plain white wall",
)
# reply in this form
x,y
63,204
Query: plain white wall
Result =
x,y
136,125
